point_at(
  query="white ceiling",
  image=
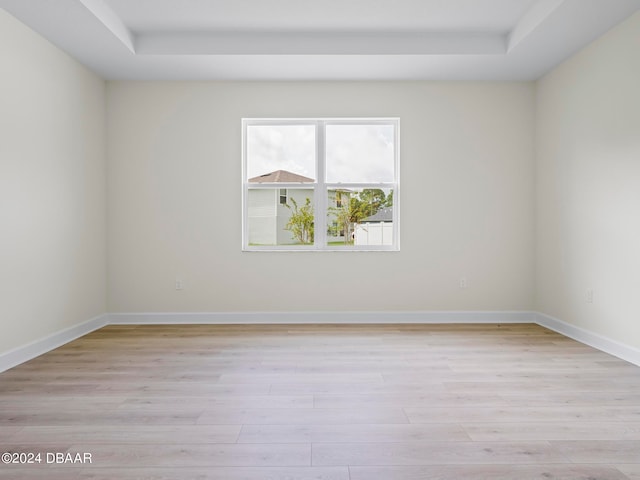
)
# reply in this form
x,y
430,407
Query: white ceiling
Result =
x,y
246,15
321,40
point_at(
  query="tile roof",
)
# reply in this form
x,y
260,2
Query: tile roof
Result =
x,y
383,215
281,176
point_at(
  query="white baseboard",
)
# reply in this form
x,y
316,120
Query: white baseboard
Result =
x,y
34,349
319,317
604,344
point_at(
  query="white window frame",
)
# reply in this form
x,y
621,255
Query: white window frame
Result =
x,y
321,187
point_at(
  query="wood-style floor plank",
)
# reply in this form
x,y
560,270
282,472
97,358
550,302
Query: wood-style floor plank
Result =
x,y
301,416
522,431
7,433
360,388
408,400
560,413
65,418
217,473
219,401
128,434
199,455
435,453
489,472
36,473
351,433
632,471
599,451
325,402
301,378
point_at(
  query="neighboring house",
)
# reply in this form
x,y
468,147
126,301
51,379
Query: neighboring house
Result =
x,y
376,229
268,214
336,199
267,211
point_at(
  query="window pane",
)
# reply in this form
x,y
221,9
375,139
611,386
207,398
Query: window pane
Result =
x,y
359,217
270,222
360,153
281,153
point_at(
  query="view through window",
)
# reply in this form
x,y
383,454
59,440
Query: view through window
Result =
x,y
320,184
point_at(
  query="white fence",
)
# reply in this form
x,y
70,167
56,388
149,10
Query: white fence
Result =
x,y
380,233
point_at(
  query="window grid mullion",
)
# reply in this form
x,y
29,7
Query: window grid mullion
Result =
x,y
320,218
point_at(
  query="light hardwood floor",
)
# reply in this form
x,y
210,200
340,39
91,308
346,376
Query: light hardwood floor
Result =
x,y
324,402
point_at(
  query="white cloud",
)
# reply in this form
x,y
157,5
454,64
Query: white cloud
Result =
x,y
281,147
355,153
360,153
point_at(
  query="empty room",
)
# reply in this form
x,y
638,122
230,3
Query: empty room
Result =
x,y
338,240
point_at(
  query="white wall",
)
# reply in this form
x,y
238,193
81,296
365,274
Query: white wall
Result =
x,y
467,200
52,189
588,187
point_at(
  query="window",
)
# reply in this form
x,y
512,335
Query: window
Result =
x,y
320,184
